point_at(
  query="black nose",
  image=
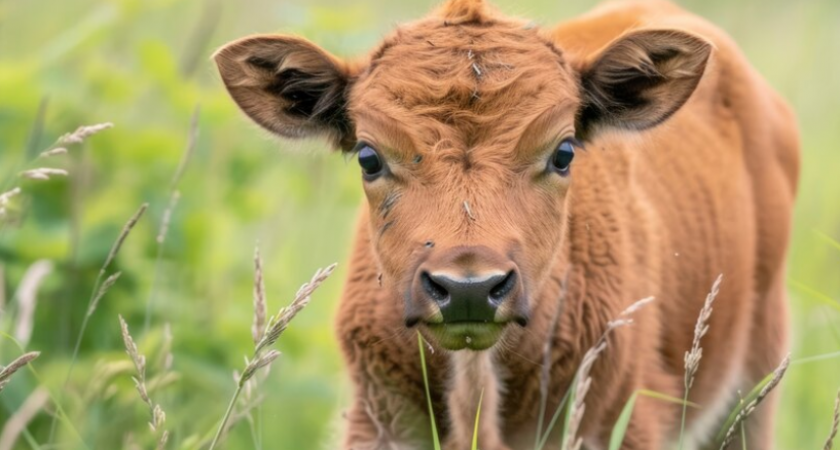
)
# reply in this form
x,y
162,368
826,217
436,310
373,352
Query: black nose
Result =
x,y
470,299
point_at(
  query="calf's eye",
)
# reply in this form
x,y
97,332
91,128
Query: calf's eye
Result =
x,y
369,160
563,156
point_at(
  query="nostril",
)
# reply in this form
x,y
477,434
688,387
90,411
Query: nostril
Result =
x,y
504,288
435,290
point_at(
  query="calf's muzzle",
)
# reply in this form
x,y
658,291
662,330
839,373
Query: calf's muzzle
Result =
x,y
471,284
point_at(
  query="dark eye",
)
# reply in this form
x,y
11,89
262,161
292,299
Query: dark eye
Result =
x,y
369,160
563,156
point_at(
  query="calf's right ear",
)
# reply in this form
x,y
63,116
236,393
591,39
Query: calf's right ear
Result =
x,y
288,85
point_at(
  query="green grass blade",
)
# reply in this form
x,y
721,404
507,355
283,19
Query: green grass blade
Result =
x,y
435,437
620,428
813,293
568,417
667,398
828,239
553,421
815,358
734,413
475,428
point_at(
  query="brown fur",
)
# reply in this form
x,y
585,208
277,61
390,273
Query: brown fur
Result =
x,y
690,170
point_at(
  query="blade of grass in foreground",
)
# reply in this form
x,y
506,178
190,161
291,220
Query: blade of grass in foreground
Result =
x,y
568,419
815,294
554,419
620,428
828,239
477,415
428,394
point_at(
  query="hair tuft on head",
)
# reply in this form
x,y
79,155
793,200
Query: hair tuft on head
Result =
x,y
458,12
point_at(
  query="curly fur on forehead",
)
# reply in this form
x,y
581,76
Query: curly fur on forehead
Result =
x,y
464,64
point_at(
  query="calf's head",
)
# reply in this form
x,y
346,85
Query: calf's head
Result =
x,y
465,125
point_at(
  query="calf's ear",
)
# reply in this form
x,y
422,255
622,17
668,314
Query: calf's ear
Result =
x,y
640,79
288,85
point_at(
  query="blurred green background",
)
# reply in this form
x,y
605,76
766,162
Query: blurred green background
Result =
x,y
144,65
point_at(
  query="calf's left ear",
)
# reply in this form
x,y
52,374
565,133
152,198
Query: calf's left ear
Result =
x,y
640,79
288,85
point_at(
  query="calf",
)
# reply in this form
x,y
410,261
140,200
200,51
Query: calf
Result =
x,y
523,187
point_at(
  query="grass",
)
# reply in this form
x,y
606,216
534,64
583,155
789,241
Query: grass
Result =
x,y
266,332
432,421
264,339
126,61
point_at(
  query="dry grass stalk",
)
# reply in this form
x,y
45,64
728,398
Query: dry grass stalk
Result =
x,y
158,416
7,372
260,308
161,238
53,152
747,410
174,197
82,133
192,139
99,290
27,298
835,424
102,291
20,419
692,357
168,359
278,322
43,173
123,235
584,380
5,197
167,216
263,356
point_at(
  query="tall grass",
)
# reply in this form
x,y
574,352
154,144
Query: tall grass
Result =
x,y
432,421
265,338
100,288
693,356
835,424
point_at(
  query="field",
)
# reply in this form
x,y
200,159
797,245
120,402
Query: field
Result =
x,y
144,66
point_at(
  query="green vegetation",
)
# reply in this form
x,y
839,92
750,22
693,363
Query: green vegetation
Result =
x,y
144,65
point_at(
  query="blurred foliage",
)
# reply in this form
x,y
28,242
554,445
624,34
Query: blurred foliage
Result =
x,y
144,65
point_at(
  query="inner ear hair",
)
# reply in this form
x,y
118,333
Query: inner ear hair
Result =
x,y
641,79
288,85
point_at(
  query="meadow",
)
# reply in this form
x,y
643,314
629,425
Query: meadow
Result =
x,y
144,65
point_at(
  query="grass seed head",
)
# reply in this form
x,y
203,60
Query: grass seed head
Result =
x,y
4,199
260,308
43,173
167,216
750,407
278,323
583,379
693,356
102,290
27,298
82,133
7,371
53,152
835,424
123,235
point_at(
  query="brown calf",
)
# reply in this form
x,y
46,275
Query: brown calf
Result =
x,y
523,187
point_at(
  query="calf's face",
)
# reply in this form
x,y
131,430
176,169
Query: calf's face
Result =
x,y
465,126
